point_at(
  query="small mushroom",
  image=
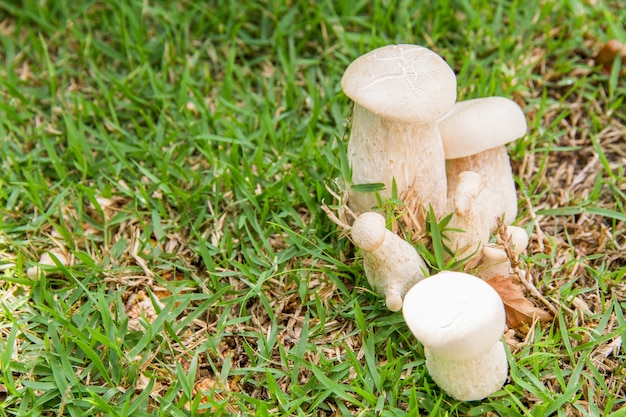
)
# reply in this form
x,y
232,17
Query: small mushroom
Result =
x,y
495,261
399,92
46,260
474,134
468,227
392,265
460,320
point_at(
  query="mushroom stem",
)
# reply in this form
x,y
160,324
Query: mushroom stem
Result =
x,y
469,379
392,266
460,320
382,150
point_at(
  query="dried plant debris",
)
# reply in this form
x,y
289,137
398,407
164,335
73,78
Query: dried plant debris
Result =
x,y
601,353
520,311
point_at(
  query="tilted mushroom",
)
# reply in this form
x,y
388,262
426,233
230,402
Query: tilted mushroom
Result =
x,y
474,134
399,91
460,320
392,266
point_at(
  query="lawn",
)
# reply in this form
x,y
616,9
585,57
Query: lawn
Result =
x,y
173,158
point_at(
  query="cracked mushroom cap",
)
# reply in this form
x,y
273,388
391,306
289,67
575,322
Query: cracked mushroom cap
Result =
x,y
404,83
456,315
474,126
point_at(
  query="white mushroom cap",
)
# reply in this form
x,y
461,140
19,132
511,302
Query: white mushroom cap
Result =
x,y
406,83
519,238
368,231
473,126
494,255
454,314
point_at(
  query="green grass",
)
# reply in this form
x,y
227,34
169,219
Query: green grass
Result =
x,y
179,152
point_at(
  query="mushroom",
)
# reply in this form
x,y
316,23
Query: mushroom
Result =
x,y
399,92
392,265
474,134
46,259
460,320
468,229
495,260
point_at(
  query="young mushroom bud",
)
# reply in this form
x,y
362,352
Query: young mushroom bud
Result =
x,y
468,227
474,134
399,92
391,264
495,261
46,260
518,238
459,319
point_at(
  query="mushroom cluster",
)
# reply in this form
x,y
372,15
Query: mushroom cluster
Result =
x,y
410,134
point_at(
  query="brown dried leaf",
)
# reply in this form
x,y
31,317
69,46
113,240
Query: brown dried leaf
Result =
x,y
519,309
609,52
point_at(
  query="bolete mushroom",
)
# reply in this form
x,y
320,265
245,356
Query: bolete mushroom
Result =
x,y
399,92
460,320
392,265
474,134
